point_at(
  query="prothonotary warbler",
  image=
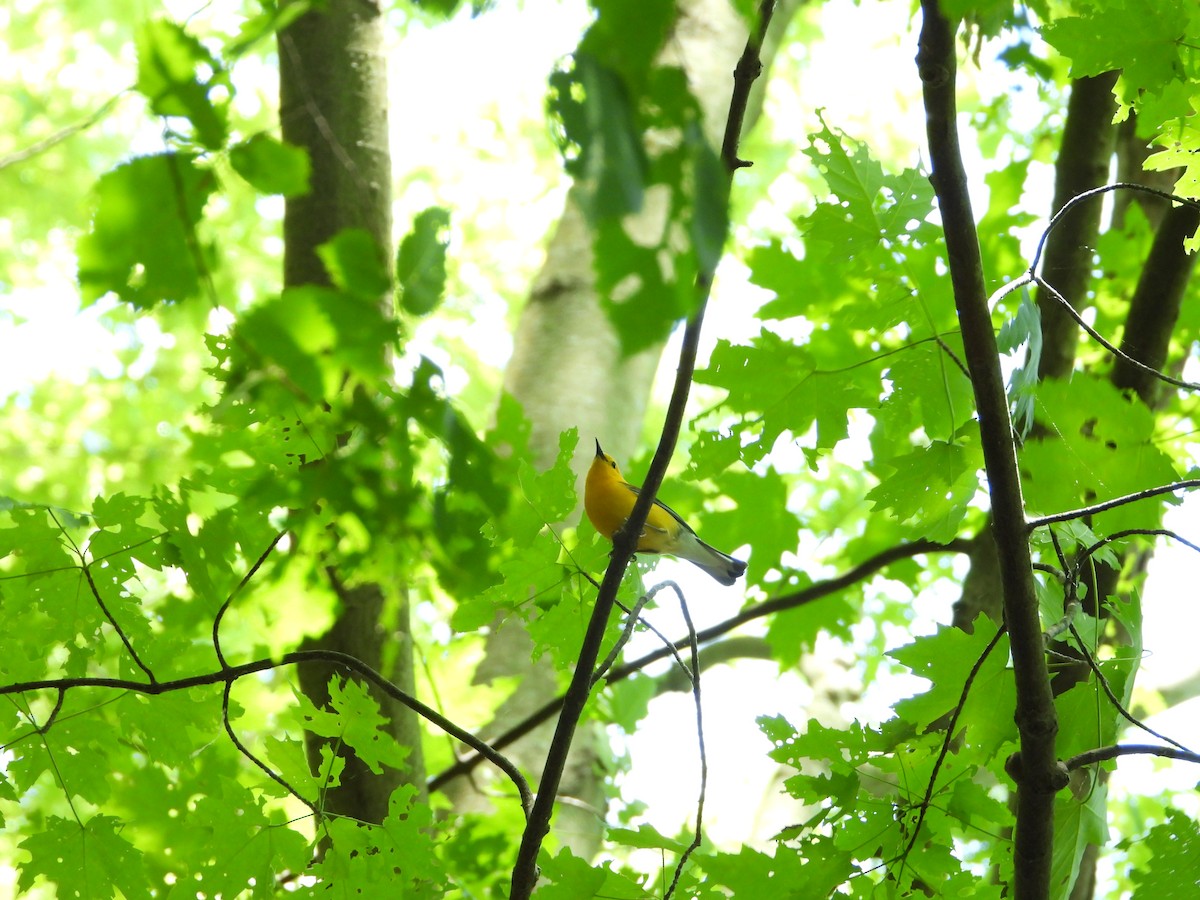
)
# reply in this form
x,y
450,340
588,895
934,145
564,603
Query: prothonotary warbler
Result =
x,y
608,499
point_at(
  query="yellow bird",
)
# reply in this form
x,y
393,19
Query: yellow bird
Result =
x,y
608,499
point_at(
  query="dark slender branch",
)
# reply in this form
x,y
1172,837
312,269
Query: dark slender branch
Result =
x,y
1129,532
245,751
1088,137
1096,192
633,616
1112,696
947,740
1070,593
1085,511
216,629
697,834
58,705
810,594
1038,775
230,674
749,67
1091,757
525,873
1156,303
1120,354
87,573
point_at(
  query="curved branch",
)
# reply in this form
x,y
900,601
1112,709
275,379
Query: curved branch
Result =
x,y
253,570
1120,354
947,740
1156,303
1083,160
1056,220
1121,535
245,751
230,674
87,573
1112,696
697,833
727,651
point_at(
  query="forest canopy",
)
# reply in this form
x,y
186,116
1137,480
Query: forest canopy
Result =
x,y
314,316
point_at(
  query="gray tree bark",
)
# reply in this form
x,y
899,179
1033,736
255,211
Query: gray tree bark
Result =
x,y
333,103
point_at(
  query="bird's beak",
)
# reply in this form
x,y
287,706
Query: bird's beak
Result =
x,y
599,452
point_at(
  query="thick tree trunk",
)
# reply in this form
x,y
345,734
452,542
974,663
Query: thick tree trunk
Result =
x,y
333,103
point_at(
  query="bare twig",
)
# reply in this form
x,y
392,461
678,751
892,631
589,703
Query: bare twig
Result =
x,y
632,617
947,740
216,629
1086,511
63,134
1114,699
1091,757
246,752
85,567
1096,192
1109,346
697,834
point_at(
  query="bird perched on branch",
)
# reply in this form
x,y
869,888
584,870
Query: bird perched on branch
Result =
x,y
608,499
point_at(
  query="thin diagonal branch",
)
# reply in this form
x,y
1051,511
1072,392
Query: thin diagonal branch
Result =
x,y
253,570
1114,699
947,740
1085,511
1109,346
1058,217
524,875
63,134
697,833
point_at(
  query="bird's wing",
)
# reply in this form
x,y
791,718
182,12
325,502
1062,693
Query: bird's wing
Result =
x,y
674,515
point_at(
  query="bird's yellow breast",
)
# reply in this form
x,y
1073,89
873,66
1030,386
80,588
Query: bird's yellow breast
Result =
x,y
608,500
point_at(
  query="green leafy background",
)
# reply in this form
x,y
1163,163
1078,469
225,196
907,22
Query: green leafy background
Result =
x,y
836,421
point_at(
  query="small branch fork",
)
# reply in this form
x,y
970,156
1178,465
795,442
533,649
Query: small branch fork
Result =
x,y
227,674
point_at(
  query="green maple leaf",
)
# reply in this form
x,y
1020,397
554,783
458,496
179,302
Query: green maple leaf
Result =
x,y
89,862
946,660
142,245
930,489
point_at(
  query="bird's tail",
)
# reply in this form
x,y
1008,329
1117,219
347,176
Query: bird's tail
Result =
x,y
721,566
